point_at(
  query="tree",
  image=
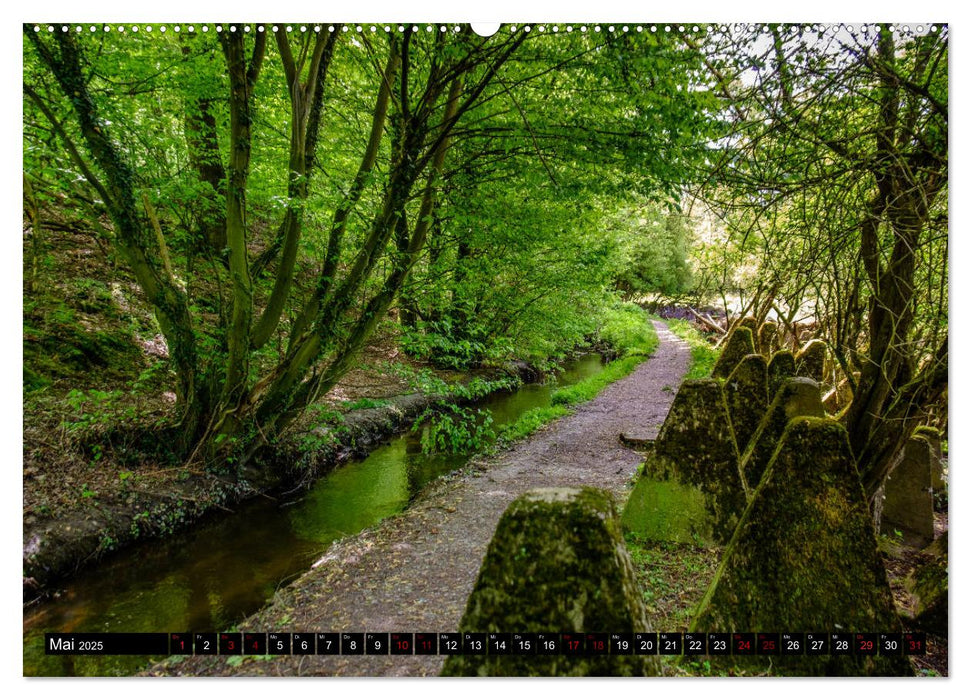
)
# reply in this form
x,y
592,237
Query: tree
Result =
x,y
531,229
838,161
273,192
233,390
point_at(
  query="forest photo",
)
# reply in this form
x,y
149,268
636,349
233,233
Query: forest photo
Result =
x,y
443,349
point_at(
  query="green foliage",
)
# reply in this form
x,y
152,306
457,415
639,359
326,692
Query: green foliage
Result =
x,y
703,353
444,344
672,577
490,226
364,403
454,430
426,382
655,253
628,331
93,408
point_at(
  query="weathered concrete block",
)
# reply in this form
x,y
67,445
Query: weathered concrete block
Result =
x,y
691,487
928,583
556,563
839,397
933,436
908,502
804,557
782,367
750,323
798,396
738,345
767,339
810,360
746,394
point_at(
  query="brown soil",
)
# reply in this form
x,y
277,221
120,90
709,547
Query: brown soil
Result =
x,y
414,572
90,489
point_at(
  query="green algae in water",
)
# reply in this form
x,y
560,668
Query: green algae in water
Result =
x,y
227,566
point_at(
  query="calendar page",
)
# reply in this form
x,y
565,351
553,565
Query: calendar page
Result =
x,y
547,348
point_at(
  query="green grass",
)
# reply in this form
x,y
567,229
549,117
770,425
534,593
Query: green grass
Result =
x,y
591,386
703,354
630,332
672,577
531,421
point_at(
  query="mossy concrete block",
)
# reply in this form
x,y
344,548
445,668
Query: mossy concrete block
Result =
x,y
767,339
696,460
738,345
746,394
840,397
782,367
928,583
750,323
908,501
811,359
804,557
556,563
933,436
798,396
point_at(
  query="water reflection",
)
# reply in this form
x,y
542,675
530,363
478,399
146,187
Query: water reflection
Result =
x,y
226,567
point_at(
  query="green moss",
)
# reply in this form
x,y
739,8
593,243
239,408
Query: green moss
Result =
x,y
750,323
933,436
668,511
696,449
738,345
767,338
810,360
746,394
804,557
782,367
557,563
797,397
928,582
907,503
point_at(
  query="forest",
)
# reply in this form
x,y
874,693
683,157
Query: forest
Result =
x,y
238,237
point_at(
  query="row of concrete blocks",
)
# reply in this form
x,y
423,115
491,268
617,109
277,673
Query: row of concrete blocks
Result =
x,y
800,549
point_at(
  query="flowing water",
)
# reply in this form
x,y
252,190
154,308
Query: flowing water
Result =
x,y
227,567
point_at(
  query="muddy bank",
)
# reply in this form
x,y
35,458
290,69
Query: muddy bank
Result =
x,y
58,546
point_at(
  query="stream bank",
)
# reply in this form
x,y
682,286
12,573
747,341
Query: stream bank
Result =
x,y
226,566
414,571
58,546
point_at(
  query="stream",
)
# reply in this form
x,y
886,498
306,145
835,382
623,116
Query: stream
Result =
x,y
226,567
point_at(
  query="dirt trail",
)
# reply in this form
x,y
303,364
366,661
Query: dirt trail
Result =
x,y
415,571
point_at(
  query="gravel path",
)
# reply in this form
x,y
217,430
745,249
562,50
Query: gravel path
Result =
x,y
415,571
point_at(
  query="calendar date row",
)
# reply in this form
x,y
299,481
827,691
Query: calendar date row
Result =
x,y
492,643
